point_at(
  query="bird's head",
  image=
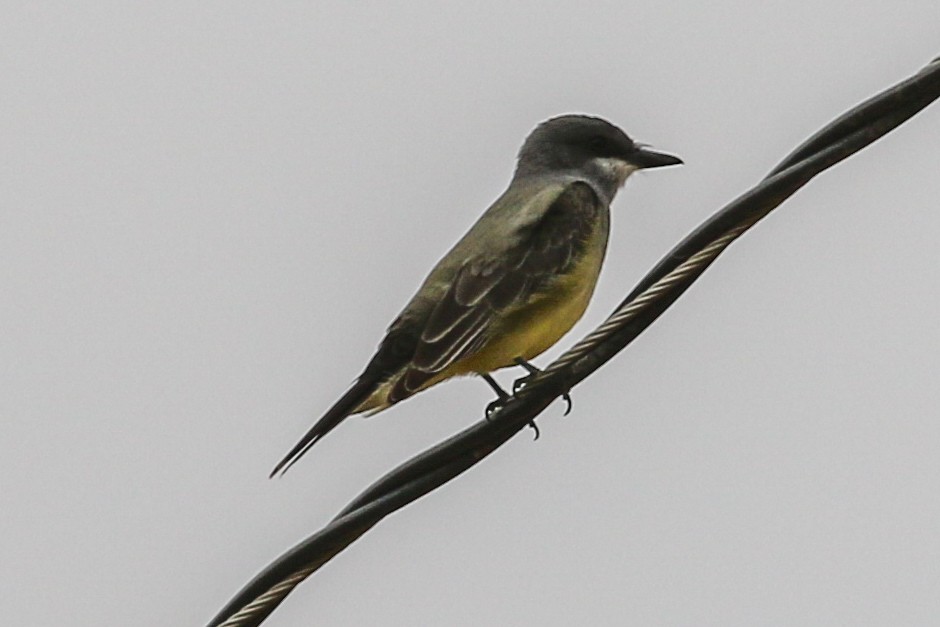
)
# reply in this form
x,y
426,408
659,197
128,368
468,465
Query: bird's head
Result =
x,y
587,145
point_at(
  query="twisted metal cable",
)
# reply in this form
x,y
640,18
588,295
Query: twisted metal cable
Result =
x,y
664,284
272,597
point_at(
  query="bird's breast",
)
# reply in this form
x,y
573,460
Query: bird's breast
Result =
x,y
533,327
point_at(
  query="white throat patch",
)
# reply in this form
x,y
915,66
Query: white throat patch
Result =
x,y
616,169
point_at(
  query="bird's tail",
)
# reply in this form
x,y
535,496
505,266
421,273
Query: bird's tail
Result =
x,y
346,405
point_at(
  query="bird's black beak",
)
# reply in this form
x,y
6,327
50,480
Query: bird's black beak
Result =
x,y
643,157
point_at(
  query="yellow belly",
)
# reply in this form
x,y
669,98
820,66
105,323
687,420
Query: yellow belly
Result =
x,y
528,332
536,326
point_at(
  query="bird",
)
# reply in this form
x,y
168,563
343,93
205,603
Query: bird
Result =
x,y
515,283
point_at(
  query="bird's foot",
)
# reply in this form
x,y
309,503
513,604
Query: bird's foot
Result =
x,y
519,384
494,407
501,396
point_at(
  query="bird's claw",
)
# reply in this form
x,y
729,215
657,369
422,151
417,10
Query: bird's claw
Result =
x,y
567,398
534,427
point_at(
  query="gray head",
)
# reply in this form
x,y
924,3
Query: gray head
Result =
x,y
589,147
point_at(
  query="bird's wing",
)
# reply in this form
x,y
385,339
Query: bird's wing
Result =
x,y
491,283
540,244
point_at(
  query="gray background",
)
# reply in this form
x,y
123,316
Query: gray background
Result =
x,y
211,211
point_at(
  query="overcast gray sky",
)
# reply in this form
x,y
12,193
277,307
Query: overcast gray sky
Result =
x,y
211,211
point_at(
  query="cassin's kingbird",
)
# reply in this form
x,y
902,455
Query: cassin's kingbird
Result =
x,y
516,282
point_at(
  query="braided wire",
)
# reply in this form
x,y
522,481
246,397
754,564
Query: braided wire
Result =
x,y
633,308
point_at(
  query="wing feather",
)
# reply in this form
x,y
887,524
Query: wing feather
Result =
x,y
486,286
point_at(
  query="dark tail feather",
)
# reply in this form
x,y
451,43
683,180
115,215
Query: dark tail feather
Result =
x,y
360,391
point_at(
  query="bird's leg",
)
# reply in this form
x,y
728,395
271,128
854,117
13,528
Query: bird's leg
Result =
x,y
498,403
518,384
501,395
